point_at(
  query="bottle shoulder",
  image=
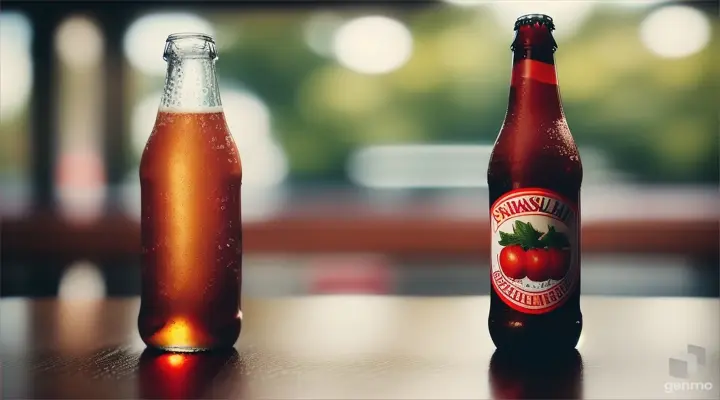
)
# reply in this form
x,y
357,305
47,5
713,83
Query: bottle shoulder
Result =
x,y
190,147
519,142
538,156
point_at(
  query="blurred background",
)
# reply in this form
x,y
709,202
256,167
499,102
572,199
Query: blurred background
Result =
x,y
365,130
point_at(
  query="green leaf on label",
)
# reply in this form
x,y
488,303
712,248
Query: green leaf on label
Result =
x,y
508,239
525,235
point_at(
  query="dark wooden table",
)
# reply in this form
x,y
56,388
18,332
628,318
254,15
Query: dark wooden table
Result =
x,y
362,347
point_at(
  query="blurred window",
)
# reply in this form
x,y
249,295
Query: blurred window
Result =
x,y
80,169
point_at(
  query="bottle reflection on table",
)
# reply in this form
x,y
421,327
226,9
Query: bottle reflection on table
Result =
x,y
186,375
557,375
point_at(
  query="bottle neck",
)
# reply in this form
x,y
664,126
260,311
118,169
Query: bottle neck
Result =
x,y
191,82
534,83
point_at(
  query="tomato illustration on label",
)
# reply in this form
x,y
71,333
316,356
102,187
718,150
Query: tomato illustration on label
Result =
x,y
534,250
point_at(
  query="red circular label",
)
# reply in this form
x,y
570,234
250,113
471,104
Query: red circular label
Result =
x,y
534,249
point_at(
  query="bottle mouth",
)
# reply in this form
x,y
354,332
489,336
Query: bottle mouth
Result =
x,y
532,19
190,35
189,45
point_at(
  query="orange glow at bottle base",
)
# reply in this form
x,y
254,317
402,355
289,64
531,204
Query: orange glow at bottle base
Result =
x,y
190,176
534,179
175,360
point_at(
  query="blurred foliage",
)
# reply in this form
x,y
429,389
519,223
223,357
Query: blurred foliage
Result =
x,y
655,118
14,160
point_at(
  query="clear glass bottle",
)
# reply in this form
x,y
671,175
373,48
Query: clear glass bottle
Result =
x,y
190,176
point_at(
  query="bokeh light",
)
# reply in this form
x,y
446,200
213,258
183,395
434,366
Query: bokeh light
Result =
x,y
373,45
79,42
319,31
82,280
447,166
15,63
675,31
264,161
420,166
142,120
145,39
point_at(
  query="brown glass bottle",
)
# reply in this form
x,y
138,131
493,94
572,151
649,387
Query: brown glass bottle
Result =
x,y
190,177
534,179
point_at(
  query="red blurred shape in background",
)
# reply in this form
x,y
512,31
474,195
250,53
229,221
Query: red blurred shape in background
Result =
x,y
351,274
80,169
80,178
